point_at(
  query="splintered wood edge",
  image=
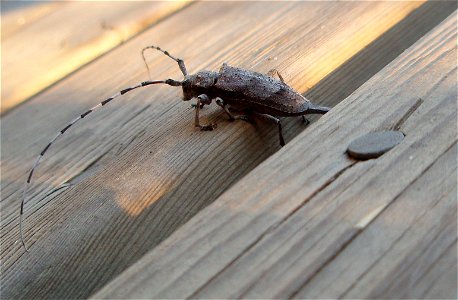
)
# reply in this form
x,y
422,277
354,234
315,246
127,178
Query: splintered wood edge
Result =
x,y
212,253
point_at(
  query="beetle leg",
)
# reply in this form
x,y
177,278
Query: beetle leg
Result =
x,y
220,103
306,121
232,117
202,99
195,105
276,121
274,72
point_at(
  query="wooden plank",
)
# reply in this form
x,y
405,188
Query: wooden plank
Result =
x,y
391,256
436,282
17,16
140,169
310,208
54,40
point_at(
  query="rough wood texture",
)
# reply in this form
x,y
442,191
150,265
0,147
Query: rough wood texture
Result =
x,y
140,169
319,224
44,43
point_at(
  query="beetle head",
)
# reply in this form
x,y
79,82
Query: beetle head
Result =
x,y
199,83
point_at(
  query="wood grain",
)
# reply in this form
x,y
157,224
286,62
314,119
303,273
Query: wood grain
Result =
x,y
139,169
319,224
54,39
391,256
18,17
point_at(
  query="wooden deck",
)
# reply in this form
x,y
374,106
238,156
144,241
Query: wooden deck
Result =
x,y
152,208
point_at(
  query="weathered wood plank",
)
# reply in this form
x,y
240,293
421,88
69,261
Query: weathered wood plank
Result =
x,y
436,282
147,170
35,121
391,257
56,39
14,19
309,208
18,17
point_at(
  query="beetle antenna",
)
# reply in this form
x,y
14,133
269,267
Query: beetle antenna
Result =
x,y
179,61
170,82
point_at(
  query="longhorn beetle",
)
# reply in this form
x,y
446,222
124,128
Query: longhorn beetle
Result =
x,y
253,93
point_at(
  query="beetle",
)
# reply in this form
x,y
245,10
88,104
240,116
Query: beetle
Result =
x,y
232,88
254,93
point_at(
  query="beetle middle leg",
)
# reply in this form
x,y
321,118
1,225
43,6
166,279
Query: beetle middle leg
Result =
x,y
205,100
276,121
232,117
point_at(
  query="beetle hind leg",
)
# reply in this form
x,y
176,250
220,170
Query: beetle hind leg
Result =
x,y
276,121
305,120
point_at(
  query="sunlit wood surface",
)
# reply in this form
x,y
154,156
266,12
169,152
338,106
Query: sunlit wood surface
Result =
x,y
43,43
138,169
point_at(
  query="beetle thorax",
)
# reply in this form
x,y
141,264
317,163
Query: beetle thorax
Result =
x,y
199,83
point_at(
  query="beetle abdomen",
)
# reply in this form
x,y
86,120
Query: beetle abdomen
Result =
x,y
259,91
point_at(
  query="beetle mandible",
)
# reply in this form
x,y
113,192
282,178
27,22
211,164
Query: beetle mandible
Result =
x,y
253,93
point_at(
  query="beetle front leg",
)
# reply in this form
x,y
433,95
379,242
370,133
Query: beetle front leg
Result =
x,y
202,99
194,105
223,105
276,121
